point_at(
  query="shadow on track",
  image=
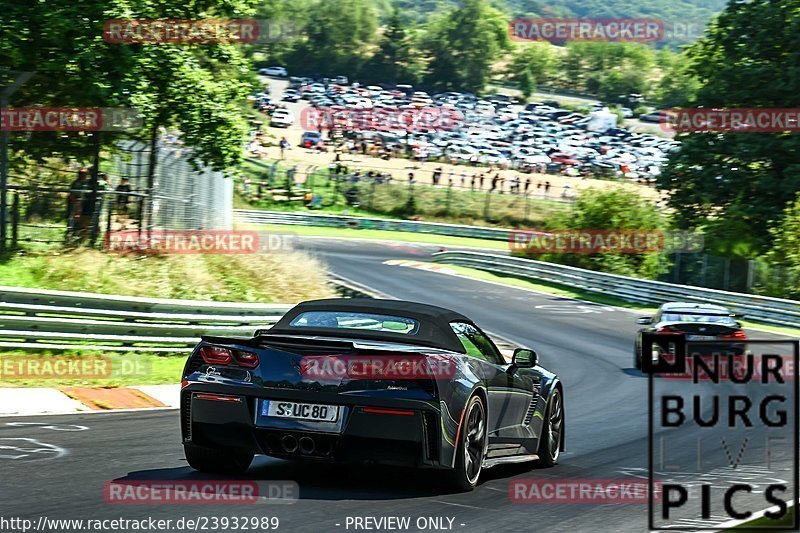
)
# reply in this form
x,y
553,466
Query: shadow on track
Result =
x,y
338,482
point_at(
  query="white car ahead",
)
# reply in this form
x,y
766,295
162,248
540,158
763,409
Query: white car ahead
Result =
x,y
278,72
282,118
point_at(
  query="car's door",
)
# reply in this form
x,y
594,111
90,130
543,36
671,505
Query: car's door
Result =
x,y
509,394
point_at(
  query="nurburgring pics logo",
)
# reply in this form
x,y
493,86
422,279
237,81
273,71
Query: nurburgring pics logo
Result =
x,y
197,242
381,119
563,30
702,120
604,241
705,434
174,31
69,119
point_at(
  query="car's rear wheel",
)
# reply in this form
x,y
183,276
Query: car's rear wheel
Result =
x,y
217,461
470,448
552,431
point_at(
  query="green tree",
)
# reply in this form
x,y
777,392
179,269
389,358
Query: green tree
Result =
x,y
337,36
540,59
783,267
394,61
526,83
614,209
678,86
749,59
464,44
194,88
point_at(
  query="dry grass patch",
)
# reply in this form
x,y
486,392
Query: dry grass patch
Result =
x,y
285,277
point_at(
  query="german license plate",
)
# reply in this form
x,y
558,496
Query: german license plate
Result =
x,y
700,338
300,411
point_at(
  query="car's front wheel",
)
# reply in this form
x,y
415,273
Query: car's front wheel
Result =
x,y
470,448
217,461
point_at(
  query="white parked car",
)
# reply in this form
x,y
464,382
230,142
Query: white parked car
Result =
x,y
282,118
278,72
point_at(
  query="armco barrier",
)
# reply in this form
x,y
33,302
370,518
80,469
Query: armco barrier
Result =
x,y
758,308
245,216
58,320
43,319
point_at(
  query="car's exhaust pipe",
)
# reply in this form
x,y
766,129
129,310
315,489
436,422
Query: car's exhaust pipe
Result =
x,y
289,443
307,445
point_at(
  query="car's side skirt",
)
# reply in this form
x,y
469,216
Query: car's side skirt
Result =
x,y
494,461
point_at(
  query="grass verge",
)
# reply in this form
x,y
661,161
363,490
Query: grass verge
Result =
x,y
766,523
374,234
285,277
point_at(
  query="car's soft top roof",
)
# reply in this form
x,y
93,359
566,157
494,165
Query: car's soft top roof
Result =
x,y
434,329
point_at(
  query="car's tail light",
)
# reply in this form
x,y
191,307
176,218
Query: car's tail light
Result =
x,y
245,359
736,335
666,329
216,355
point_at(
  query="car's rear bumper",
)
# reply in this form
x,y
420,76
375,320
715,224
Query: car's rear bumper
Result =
x,y
369,430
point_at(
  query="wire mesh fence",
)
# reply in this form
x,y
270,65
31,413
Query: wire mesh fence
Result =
x,y
51,206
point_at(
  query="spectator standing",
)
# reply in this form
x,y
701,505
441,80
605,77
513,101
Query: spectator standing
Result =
x,y
437,176
75,200
547,189
123,189
283,144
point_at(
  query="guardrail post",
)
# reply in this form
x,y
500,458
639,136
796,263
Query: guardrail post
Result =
x,y
14,220
677,277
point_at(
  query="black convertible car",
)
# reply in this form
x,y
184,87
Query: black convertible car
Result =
x,y
369,381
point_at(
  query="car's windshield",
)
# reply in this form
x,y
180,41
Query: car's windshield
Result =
x,y
352,320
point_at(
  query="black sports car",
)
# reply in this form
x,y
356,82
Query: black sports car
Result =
x,y
695,322
369,381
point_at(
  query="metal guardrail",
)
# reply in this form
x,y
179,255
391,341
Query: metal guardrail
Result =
x,y
43,319
248,216
757,308
60,320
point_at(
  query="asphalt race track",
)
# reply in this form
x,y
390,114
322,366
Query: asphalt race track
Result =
x,y
588,345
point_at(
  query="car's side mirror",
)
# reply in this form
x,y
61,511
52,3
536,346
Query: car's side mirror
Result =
x,y
524,358
644,320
